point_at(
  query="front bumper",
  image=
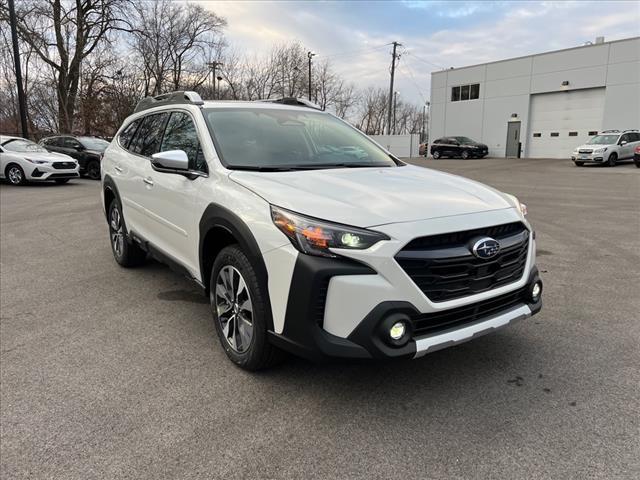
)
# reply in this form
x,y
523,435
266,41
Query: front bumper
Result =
x,y
43,173
304,332
588,157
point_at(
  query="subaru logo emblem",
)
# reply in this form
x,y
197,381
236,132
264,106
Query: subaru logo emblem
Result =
x,y
486,248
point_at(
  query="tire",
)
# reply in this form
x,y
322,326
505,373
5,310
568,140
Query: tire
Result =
x,y
436,155
15,174
239,309
126,253
465,155
637,162
613,158
61,181
93,170
579,164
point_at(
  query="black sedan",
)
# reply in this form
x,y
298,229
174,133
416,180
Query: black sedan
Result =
x,y
86,150
458,147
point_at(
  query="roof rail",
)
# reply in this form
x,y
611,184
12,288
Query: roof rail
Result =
x,y
172,98
630,130
300,102
610,131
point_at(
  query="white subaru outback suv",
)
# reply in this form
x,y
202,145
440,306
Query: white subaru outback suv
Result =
x,y
309,237
609,147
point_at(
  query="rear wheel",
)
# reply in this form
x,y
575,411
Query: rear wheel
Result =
x,y
613,158
93,170
579,164
436,155
15,175
465,155
125,252
239,307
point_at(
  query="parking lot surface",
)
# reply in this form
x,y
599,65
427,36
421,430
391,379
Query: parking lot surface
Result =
x,y
114,373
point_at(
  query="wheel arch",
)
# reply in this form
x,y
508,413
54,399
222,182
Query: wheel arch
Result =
x,y
109,193
220,227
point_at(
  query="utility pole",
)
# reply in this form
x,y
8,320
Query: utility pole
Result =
x,y
394,56
426,133
310,55
22,104
395,103
424,116
212,66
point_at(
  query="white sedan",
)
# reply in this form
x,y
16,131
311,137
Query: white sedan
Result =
x,y
24,161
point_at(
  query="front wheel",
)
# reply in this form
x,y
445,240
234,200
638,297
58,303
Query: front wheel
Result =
x,y
436,155
93,170
15,175
240,311
613,159
465,155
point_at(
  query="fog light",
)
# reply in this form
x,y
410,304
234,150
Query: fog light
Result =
x,y
536,291
397,331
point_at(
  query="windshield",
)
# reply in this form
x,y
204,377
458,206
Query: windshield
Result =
x,y
22,145
265,139
603,140
92,143
464,140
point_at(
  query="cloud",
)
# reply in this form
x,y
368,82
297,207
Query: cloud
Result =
x,y
352,34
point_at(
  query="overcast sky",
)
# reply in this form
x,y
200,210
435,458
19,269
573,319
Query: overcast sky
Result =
x,y
434,35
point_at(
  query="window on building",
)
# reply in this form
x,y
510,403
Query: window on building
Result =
x,y
474,92
593,133
555,134
465,92
537,135
573,134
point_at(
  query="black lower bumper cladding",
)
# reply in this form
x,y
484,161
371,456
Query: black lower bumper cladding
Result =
x,y
303,334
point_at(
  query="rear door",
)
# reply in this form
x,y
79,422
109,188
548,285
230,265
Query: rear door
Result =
x,y
170,198
626,150
452,147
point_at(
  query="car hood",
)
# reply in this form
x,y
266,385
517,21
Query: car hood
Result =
x,y
367,197
46,156
591,146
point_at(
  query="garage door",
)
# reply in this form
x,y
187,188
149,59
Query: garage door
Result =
x,y
561,121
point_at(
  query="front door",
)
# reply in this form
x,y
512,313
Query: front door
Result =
x,y
513,139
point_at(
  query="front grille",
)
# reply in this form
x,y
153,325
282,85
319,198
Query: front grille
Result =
x,y
585,151
63,165
429,323
443,267
63,175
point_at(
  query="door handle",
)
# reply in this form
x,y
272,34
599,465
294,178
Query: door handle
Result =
x,y
118,169
148,181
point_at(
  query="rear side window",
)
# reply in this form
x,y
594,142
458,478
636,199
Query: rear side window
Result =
x,y
70,142
180,134
147,138
127,134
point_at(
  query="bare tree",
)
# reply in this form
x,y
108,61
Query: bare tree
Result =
x,y
63,34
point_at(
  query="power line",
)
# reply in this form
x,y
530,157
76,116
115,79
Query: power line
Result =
x,y
407,52
354,52
415,82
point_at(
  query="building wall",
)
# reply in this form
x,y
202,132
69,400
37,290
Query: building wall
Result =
x,y
507,87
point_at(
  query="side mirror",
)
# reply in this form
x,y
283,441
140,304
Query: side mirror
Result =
x,y
171,161
79,147
623,143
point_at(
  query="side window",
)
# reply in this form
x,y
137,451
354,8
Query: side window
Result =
x,y
181,134
635,137
624,138
438,141
127,134
70,142
147,138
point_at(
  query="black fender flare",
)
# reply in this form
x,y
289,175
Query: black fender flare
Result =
x,y
217,216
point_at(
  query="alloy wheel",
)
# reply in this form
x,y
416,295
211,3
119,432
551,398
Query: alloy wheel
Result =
x,y
15,175
234,308
117,233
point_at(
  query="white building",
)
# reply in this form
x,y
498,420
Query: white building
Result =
x,y
550,102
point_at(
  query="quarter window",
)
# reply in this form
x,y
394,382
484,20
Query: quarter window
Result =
x,y
147,138
180,134
465,92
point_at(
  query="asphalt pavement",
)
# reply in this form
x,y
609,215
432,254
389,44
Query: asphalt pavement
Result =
x,y
112,373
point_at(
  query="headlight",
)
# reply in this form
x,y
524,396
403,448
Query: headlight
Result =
x,y
316,237
37,162
522,208
600,150
575,152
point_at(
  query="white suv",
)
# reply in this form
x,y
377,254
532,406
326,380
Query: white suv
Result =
x,y
609,147
309,237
